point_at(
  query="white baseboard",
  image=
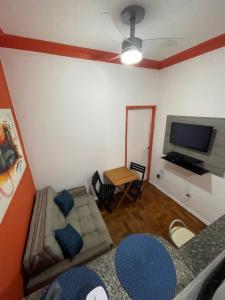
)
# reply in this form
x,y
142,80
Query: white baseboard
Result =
x,y
180,203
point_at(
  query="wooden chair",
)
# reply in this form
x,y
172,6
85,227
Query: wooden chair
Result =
x,y
104,192
135,189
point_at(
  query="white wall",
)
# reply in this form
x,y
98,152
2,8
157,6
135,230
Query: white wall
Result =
x,y
72,112
192,88
72,116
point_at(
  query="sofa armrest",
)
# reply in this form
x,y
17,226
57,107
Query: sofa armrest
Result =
x,y
78,191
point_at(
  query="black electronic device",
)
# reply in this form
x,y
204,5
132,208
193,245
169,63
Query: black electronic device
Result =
x,y
187,162
197,137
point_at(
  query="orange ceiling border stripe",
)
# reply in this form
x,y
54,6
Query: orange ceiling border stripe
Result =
x,y
210,45
35,45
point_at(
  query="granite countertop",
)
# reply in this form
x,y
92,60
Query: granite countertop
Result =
x,y
200,251
189,260
104,266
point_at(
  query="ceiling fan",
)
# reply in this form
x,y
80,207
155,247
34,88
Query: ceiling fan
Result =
x,y
132,46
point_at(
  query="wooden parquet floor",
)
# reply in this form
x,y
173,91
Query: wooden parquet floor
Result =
x,y
152,213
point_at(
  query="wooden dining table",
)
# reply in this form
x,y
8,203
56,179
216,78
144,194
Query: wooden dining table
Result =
x,y
121,176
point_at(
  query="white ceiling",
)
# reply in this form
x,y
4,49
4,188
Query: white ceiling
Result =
x,y
81,23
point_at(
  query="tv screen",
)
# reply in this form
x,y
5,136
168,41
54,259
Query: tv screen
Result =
x,y
196,137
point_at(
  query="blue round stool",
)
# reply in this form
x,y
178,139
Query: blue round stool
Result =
x,y
74,284
145,268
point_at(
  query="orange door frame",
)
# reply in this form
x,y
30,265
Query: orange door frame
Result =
x,y
152,109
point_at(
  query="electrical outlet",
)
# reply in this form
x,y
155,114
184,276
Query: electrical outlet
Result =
x,y
160,174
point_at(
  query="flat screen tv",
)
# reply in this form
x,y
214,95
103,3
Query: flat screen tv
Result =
x,y
192,136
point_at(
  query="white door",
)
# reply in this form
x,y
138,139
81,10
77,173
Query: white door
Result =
x,y
138,135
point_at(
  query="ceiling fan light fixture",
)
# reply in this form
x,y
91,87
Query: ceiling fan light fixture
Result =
x,y
131,56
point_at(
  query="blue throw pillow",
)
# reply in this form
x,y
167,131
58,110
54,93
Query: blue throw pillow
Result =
x,y
69,241
65,202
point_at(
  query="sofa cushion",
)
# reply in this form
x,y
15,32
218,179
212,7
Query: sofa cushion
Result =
x,y
92,240
42,249
54,220
86,218
36,233
69,241
65,202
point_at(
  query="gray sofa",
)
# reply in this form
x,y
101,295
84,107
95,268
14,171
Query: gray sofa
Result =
x,y
43,258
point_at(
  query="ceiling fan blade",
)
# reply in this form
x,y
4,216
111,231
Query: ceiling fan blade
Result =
x,y
115,57
156,39
119,30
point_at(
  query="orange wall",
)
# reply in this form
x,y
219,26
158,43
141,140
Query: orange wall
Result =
x,y
13,229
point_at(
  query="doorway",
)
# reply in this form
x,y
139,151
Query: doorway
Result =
x,y
139,132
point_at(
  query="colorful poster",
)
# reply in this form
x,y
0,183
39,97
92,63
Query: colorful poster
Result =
x,y
12,162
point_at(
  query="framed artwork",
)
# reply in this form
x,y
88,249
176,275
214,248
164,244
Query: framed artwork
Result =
x,y
12,161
